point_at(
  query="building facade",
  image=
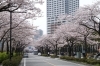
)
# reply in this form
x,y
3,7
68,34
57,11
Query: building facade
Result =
x,y
56,8
71,6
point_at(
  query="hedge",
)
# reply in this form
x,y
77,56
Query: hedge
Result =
x,y
89,61
15,61
3,56
54,56
46,55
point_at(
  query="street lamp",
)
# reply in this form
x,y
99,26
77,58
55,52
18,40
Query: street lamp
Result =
x,y
99,28
11,31
10,34
10,9
5,9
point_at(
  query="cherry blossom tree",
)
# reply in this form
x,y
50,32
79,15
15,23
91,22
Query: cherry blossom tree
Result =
x,y
42,44
73,33
69,36
31,12
88,16
7,5
51,42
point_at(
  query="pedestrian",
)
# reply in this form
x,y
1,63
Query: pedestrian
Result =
x,y
48,53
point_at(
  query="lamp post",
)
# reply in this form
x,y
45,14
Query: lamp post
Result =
x,y
5,9
99,28
9,9
10,34
11,31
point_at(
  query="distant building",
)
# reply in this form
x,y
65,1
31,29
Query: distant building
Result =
x,y
38,34
56,8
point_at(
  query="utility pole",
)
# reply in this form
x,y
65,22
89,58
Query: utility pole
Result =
x,y
10,10
11,31
10,34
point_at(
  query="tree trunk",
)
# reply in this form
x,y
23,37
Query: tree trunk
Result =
x,y
7,48
85,43
2,46
69,51
72,53
56,50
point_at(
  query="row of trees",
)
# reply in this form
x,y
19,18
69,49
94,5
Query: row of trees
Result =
x,y
22,30
80,29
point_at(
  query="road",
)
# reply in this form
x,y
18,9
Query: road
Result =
x,y
35,60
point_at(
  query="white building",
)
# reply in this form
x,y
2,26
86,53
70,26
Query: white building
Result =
x,y
56,8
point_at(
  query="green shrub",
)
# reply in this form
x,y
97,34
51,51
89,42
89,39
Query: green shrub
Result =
x,y
14,54
97,65
73,59
3,56
46,55
89,61
67,58
80,59
15,61
93,61
54,56
62,57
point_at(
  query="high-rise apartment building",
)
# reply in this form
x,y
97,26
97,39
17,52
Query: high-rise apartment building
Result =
x,y
71,6
56,8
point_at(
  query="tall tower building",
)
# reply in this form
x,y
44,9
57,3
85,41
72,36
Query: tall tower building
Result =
x,y
71,6
56,8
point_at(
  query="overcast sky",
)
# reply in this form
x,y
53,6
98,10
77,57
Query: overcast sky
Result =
x,y
41,22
